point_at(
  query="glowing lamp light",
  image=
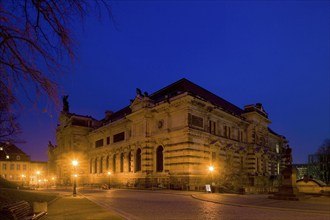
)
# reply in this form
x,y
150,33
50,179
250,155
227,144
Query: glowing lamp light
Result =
x,y
211,168
74,163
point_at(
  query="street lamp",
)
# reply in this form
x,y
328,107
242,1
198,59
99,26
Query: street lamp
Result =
x,y
38,173
23,176
109,174
74,164
211,170
53,179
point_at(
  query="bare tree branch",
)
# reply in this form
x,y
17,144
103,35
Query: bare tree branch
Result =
x,y
34,37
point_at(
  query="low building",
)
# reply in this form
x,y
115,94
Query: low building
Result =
x,y
16,166
170,139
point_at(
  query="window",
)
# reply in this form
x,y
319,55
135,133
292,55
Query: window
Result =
x,y
12,166
214,157
242,162
227,131
195,121
4,166
114,163
108,140
108,157
91,166
18,157
159,159
24,166
240,135
95,165
277,148
18,166
101,165
119,137
212,127
99,143
129,162
122,162
138,160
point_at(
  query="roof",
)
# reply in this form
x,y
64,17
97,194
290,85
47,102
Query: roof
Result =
x,y
184,85
11,150
181,86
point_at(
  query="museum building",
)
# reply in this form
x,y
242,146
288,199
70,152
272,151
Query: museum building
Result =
x,y
170,138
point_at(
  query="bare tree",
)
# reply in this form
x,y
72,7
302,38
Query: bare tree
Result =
x,y
9,128
35,36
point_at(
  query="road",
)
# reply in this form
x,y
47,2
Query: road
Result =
x,y
136,204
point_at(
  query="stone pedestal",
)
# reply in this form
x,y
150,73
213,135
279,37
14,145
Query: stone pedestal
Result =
x,y
288,190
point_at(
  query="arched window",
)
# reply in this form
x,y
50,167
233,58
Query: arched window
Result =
x,y
122,162
138,160
129,162
101,165
91,166
159,159
114,163
95,165
108,162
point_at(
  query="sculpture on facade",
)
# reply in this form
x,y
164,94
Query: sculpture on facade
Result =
x,y
65,103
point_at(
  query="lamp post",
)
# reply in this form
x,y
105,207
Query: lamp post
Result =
x,y
23,176
38,173
211,170
74,164
109,174
53,179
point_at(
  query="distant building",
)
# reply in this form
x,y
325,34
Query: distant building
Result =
x,y
16,166
169,139
301,170
319,167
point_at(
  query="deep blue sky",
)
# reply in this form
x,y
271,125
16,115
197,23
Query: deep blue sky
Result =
x,y
273,52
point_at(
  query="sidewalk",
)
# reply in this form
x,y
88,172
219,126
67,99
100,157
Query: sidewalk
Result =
x,y
310,204
72,208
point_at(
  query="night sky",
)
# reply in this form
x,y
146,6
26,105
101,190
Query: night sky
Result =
x,y
273,52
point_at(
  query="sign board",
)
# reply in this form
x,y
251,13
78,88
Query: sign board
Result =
x,y
208,188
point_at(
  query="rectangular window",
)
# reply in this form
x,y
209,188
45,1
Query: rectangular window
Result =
x,y
108,140
12,166
227,131
195,121
4,166
119,137
24,166
18,167
214,157
212,127
99,143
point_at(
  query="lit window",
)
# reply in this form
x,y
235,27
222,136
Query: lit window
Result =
x,y
1,148
277,148
7,156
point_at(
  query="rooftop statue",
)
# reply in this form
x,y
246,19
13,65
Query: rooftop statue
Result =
x,y
65,103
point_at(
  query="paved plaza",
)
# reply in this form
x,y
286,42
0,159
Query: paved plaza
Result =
x,y
168,204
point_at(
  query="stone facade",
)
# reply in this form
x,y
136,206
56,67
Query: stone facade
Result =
x,y
169,139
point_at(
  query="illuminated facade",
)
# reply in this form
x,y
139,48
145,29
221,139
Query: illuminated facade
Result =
x,y
16,166
169,139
